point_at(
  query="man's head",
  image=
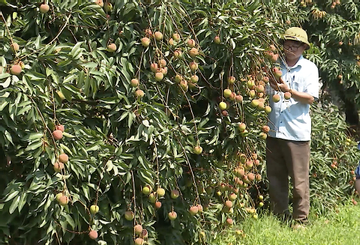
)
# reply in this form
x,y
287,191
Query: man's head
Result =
x,y
295,42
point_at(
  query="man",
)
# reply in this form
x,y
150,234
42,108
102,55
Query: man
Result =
x,y
288,144
357,174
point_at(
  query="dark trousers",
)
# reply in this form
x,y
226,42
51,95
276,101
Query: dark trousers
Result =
x,y
286,158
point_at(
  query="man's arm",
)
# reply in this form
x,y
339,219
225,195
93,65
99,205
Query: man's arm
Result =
x,y
302,97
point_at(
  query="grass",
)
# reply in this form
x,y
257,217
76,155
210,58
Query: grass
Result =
x,y
341,227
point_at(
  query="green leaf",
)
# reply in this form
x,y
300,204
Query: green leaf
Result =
x,y
69,220
14,204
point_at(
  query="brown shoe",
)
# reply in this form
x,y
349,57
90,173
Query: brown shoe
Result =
x,y
300,224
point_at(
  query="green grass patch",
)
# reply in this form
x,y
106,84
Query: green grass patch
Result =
x,y
340,227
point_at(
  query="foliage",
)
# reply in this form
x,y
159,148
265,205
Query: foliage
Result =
x,y
334,157
333,27
121,136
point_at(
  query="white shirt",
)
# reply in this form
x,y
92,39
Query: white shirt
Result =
x,y
290,119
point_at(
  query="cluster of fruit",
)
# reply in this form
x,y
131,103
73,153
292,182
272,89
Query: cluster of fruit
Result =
x,y
318,14
59,167
18,66
334,3
304,3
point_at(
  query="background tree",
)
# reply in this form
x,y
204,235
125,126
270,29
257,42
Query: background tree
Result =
x,y
334,28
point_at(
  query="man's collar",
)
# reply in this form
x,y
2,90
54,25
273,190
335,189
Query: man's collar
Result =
x,y
298,63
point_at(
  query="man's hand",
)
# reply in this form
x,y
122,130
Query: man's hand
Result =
x,y
278,84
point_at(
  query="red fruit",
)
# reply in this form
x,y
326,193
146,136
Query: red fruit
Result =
x,y
217,40
200,208
172,215
193,210
111,47
139,241
175,194
99,2
158,205
15,69
265,129
193,52
129,215
163,70
287,95
138,229
258,177
251,176
193,66
239,171
255,103
152,198
63,200
139,94
178,78
176,36
229,221
162,62
145,42
277,72
154,67
44,8
251,84
148,32
228,204
232,196
272,47
231,80
171,42
198,150
63,158
144,233
227,93
252,93
261,105
276,98
57,134
239,98
274,57
134,82
249,164
260,88
58,166
267,109
242,126
93,234
177,54
194,78
263,135
191,43
160,192
225,113
15,47
158,35
60,127
159,76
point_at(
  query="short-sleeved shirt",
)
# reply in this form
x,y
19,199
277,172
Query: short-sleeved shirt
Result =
x,y
357,170
290,119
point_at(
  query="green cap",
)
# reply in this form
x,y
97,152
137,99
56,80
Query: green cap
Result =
x,y
296,34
